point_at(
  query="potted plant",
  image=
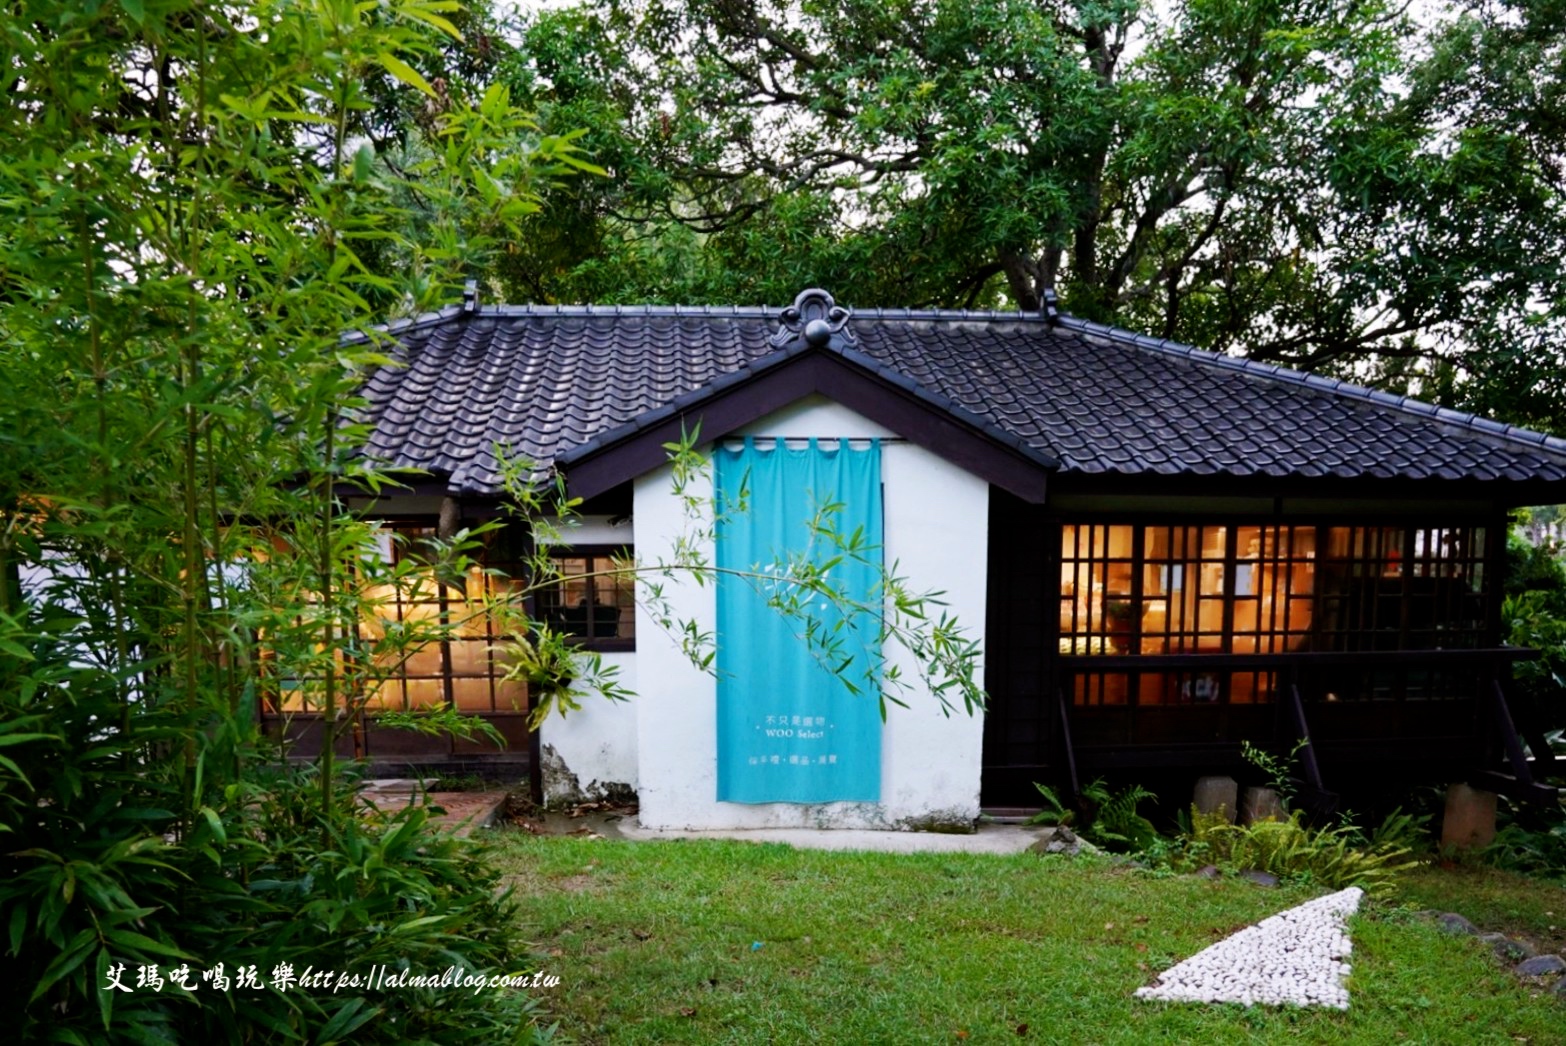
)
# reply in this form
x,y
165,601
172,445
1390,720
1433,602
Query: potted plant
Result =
x,y
546,660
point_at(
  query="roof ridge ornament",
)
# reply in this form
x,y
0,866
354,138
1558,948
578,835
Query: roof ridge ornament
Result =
x,y
816,317
1051,306
470,297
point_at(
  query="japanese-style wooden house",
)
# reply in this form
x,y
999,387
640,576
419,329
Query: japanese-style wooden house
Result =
x,y
1164,551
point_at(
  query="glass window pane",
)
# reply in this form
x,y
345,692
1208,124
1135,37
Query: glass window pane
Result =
x,y
471,695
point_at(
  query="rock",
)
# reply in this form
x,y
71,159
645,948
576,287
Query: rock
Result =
x,y
1540,965
1451,922
1061,840
1214,794
1261,804
1469,821
1260,878
1210,872
1560,990
1507,948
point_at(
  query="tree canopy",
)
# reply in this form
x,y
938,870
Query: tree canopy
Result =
x,y
1319,183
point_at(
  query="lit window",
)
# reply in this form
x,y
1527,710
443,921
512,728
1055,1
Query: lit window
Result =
x,y
465,668
1262,589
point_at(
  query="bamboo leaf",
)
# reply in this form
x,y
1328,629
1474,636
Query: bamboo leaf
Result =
x,y
406,73
426,13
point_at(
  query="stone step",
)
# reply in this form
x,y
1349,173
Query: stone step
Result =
x,y
462,811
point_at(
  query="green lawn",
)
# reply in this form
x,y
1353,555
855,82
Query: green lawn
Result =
x,y
657,942
1494,900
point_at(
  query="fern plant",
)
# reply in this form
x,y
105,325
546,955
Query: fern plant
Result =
x,y
1114,824
1334,857
1117,825
1054,812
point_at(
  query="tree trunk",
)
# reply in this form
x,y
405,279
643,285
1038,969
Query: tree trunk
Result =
x,y
1023,276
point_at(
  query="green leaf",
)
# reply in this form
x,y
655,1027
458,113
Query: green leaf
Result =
x,y
415,925
425,12
363,163
16,771
72,956
16,739
353,1015
140,943
104,993
406,73
215,823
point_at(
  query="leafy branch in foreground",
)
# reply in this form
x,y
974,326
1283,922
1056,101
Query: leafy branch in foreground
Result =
x,y
191,220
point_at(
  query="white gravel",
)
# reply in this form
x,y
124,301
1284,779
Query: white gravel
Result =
x,y
1298,956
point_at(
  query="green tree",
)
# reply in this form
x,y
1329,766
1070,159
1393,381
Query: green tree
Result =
x,y
198,201
1311,182
188,200
1495,226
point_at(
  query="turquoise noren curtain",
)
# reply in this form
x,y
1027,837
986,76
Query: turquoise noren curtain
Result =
x,y
789,730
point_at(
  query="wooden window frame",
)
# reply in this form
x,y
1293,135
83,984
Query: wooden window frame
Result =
x,y
1430,614
607,553
408,527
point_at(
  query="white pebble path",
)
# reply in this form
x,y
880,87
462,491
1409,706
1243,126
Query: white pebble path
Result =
x,y
1297,956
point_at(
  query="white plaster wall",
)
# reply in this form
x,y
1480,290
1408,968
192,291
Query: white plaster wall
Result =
x,y
597,743
936,519
588,530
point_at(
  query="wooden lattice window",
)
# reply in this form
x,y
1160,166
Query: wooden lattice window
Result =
x,y
595,599
1402,588
464,669
1270,588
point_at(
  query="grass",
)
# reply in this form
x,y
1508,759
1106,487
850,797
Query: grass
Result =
x,y
1494,900
658,942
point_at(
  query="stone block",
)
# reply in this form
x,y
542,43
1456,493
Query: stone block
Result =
x,y
1058,840
1261,804
1469,823
1541,966
1451,922
1217,793
1507,948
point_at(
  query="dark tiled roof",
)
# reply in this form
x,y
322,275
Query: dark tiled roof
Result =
x,y
542,380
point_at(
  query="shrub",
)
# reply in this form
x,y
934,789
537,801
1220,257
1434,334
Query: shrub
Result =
x,y
1532,839
1540,851
1334,857
99,870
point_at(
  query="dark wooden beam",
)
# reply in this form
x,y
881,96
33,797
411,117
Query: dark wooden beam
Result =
x,y
1509,786
1072,781
1306,659
730,405
1312,488
1501,715
1306,751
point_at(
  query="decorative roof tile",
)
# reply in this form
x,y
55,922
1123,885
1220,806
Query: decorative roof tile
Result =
x,y
545,381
